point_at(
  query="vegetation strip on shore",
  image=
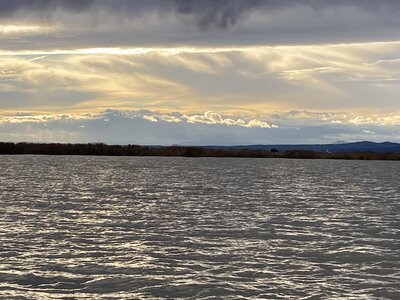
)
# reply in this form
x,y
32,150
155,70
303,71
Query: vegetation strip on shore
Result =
x,y
101,149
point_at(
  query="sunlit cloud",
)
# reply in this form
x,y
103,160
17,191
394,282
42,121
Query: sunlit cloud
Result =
x,y
150,118
251,80
389,120
216,118
6,29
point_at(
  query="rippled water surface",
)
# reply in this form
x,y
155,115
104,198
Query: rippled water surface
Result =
x,y
156,228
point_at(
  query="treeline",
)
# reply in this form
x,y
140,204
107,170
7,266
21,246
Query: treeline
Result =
x,y
135,150
119,150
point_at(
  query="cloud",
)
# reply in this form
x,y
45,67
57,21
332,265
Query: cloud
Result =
x,y
150,118
210,118
222,14
208,13
261,124
63,24
250,80
386,120
216,119
42,7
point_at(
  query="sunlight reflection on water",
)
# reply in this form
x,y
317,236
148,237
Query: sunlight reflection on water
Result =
x,y
133,228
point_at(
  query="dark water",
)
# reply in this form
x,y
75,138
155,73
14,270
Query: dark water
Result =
x,y
156,228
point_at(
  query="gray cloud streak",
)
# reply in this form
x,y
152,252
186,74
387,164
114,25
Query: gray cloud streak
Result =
x,y
42,7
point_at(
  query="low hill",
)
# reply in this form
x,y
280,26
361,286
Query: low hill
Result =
x,y
333,148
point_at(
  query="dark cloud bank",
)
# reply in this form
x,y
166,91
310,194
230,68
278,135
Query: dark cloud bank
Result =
x,y
131,23
208,13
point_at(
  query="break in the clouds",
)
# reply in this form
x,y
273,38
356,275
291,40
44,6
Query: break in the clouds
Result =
x,y
209,128
203,71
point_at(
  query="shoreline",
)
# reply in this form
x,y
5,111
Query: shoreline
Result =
x,y
99,149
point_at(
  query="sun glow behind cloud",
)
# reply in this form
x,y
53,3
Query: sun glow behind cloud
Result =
x,y
251,79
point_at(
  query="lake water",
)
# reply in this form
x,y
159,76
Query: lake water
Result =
x,y
201,228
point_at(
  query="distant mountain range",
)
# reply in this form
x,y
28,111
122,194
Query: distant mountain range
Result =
x,y
333,148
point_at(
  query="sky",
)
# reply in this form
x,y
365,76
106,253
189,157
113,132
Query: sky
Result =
x,y
200,72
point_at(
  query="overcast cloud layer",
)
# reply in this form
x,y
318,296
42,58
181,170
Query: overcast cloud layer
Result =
x,y
70,24
234,71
